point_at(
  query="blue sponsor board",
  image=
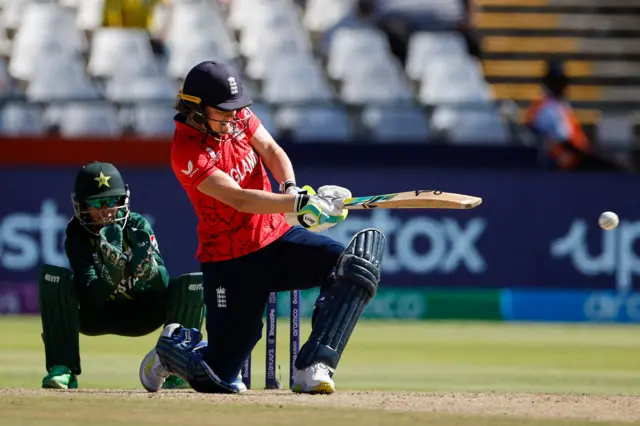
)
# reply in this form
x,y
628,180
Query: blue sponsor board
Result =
x,y
533,229
570,306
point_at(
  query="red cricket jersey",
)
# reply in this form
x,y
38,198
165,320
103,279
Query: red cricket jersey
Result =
x,y
223,232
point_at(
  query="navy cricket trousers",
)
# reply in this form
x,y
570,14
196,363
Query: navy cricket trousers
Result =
x,y
236,292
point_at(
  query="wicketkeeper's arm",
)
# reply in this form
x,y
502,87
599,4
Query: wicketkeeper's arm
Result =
x,y
146,261
93,283
161,280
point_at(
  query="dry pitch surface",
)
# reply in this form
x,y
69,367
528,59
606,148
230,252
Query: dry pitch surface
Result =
x,y
112,407
458,374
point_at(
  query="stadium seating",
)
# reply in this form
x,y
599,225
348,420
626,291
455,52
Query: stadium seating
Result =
x,y
19,119
266,117
355,45
314,123
615,129
453,79
204,23
380,80
89,14
598,39
94,119
151,120
295,71
473,125
297,81
116,51
131,89
425,47
65,78
320,15
400,124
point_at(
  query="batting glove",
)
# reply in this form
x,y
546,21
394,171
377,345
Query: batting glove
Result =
x,y
334,193
317,213
290,187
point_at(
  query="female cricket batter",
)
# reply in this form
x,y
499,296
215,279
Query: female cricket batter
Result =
x,y
247,249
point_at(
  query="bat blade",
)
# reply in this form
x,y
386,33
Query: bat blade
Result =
x,y
419,199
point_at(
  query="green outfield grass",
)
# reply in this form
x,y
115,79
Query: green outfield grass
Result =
x,y
493,358
411,356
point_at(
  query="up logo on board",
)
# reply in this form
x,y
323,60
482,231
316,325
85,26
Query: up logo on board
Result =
x,y
616,255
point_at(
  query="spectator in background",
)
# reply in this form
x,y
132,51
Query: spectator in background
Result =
x,y
135,14
552,121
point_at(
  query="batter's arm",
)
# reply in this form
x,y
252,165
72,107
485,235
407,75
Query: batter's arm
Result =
x,y
222,187
272,154
312,210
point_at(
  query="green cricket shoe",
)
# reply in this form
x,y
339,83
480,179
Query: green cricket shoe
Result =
x,y
175,382
60,377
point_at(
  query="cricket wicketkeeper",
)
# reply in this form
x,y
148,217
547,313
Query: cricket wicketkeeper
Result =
x,y
118,283
220,155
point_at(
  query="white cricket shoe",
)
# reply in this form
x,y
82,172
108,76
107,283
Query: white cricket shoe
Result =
x,y
315,379
152,372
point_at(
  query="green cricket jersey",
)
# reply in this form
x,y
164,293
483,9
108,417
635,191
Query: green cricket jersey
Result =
x,y
93,282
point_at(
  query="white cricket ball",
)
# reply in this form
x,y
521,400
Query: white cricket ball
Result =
x,y
608,221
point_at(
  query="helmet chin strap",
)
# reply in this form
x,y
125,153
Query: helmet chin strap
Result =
x,y
207,130
204,126
196,117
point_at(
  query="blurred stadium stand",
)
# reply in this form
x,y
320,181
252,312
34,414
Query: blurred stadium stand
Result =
x,y
320,69
598,39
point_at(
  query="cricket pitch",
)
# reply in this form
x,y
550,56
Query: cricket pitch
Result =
x,y
393,373
29,407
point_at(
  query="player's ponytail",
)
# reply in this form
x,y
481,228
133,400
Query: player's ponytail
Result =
x,y
192,112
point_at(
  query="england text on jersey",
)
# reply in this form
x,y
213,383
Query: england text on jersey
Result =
x,y
223,232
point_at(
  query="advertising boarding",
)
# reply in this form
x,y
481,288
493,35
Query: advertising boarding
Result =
x,y
534,230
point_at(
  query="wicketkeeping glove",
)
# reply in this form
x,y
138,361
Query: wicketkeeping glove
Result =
x,y
143,264
111,251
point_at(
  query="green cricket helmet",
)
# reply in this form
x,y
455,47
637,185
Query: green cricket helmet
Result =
x,y
100,196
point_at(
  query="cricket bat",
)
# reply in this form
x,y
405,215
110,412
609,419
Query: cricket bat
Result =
x,y
419,199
